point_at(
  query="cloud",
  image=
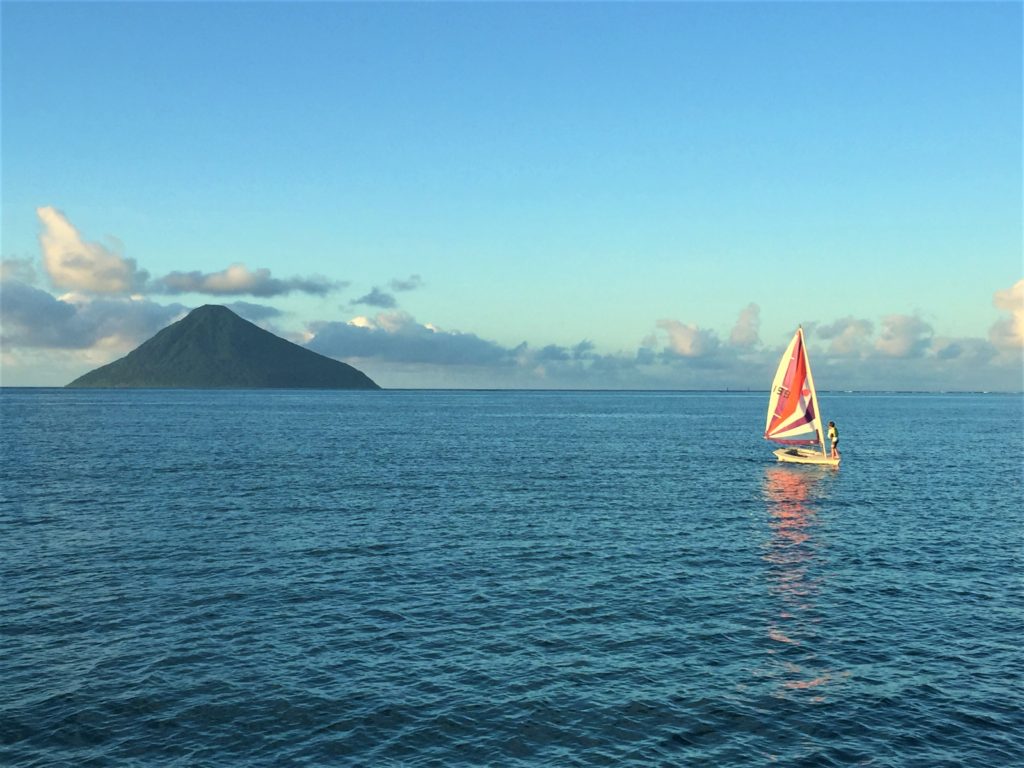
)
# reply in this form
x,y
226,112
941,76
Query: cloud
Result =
x,y
377,298
689,340
397,337
904,336
850,337
34,318
411,284
745,332
384,300
21,270
967,352
1008,333
583,350
239,280
91,322
696,343
75,265
31,317
555,353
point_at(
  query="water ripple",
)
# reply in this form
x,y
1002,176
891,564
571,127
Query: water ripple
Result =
x,y
278,578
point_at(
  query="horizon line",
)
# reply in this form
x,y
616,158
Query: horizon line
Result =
x,y
727,390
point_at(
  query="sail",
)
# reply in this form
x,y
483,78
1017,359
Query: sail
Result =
x,y
793,417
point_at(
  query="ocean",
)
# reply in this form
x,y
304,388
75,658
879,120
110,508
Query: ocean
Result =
x,y
461,578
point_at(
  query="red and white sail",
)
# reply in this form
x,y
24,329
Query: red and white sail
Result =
x,y
793,416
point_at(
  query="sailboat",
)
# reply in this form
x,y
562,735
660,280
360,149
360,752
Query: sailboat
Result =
x,y
794,419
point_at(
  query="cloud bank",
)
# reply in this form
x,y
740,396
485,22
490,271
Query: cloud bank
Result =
x,y
103,312
400,351
397,337
903,354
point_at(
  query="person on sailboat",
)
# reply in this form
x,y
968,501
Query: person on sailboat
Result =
x,y
833,435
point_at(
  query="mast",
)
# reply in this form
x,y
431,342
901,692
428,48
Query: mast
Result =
x,y
814,393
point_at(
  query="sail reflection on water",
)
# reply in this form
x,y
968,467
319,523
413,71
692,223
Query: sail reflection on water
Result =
x,y
793,554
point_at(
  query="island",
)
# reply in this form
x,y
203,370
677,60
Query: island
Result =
x,y
213,348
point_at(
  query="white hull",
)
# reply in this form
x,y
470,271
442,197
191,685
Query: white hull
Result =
x,y
801,456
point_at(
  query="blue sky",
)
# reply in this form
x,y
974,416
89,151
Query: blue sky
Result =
x,y
638,195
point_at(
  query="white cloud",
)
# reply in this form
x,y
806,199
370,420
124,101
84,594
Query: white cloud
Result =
x,y
362,322
77,265
1008,333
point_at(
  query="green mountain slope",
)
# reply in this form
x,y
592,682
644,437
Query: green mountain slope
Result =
x,y
212,347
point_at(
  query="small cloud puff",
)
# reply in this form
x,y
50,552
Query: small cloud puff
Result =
x,y
411,284
76,265
384,300
377,298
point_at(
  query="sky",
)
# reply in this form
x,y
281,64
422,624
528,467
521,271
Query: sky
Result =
x,y
528,195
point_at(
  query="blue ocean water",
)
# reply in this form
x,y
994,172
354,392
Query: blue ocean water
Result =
x,y
278,578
